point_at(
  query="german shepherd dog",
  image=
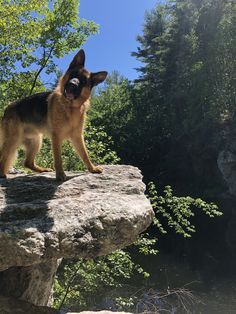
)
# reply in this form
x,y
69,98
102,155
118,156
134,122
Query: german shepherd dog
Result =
x,y
59,114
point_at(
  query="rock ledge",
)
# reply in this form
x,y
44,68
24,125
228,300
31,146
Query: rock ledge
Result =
x,y
42,221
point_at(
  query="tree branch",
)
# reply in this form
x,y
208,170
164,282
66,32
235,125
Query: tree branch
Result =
x,y
41,68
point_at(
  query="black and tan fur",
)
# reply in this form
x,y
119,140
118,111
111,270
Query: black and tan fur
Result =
x,y
59,115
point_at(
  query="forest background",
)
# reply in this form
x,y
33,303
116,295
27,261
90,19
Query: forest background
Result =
x,y
169,122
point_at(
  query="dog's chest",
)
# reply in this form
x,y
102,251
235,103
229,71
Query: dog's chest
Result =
x,y
73,121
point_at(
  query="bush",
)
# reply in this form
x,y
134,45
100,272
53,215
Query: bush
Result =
x,y
176,212
82,284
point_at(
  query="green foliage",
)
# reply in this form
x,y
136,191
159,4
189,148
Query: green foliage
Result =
x,y
188,64
111,108
99,145
146,245
17,87
168,122
33,35
178,211
83,283
35,32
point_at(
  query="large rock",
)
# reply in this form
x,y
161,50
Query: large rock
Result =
x,y
42,221
227,165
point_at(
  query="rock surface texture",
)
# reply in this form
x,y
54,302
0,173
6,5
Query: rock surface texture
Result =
x,y
227,165
42,221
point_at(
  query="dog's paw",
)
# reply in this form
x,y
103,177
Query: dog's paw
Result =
x,y
96,169
47,170
61,176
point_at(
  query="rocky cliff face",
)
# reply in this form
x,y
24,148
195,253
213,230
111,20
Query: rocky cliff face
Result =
x,y
42,221
227,165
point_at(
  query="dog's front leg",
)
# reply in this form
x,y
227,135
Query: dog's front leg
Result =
x,y
78,142
56,147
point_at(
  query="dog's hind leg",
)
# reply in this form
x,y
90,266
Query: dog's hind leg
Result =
x,y
7,155
32,147
10,140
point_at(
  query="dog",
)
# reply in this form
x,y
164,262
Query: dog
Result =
x,y
59,114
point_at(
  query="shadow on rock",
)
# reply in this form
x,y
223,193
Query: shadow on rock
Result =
x,y
25,202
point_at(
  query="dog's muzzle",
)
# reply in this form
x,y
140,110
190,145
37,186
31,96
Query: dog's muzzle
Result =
x,y
72,89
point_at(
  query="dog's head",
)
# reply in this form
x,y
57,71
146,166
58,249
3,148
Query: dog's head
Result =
x,y
77,81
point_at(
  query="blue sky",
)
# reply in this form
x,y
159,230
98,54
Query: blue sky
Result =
x,y
120,22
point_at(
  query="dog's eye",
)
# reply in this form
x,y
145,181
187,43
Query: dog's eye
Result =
x,y
83,80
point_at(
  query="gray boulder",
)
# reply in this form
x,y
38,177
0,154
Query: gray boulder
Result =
x,y
42,221
227,166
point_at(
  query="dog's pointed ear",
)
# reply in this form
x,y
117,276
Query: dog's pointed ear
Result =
x,y
98,77
79,59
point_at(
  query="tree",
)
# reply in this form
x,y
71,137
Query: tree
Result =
x,y
34,34
187,48
168,121
112,108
